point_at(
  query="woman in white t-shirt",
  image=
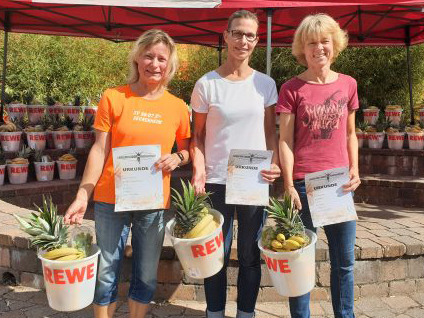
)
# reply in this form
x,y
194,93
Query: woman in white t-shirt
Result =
x,y
234,109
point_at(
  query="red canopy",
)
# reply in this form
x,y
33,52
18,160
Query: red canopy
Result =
x,y
368,22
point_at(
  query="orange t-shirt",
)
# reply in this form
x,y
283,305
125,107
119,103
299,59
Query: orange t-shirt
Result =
x,y
133,120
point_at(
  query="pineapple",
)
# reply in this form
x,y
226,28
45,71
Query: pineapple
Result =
x,y
192,217
289,231
58,123
22,155
40,157
362,126
68,122
85,124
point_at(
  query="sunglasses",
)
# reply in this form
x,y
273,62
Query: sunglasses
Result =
x,y
238,35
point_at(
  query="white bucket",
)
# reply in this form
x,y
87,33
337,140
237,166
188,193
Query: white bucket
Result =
x,y
10,141
35,113
200,257
292,273
70,284
18,173
67,169
44,171
394,116
37,140
83,139
16,110
421,113
53,110
375,140
371,115
395,140
62,139
2,173
361,137
416,140
72,112
90,111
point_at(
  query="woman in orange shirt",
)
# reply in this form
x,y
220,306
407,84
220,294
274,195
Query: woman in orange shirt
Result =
x,y
119,122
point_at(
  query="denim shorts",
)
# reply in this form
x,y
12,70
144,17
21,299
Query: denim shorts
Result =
x,y
112,230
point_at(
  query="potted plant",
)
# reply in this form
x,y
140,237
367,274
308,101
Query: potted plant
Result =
x,y
47,124
376,133
196,223
396,135
73,109
416,137
394,113
36,137
17,168
44,166
67,165
360,132
10,135
35,111
62,135
83,133
90,110
15,108
51,106
2,166
73,259
288,249
371,114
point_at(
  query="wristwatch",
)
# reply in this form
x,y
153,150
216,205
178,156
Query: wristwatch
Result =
x,y
180,155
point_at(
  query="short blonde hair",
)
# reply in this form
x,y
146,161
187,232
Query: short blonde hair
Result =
x,y
242,14
314,26
144,42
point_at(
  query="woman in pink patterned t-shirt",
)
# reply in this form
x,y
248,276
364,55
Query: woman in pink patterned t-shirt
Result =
x,y
317,132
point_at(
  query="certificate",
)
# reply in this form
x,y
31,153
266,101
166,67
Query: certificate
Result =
x,y
138,185
327,201
245,184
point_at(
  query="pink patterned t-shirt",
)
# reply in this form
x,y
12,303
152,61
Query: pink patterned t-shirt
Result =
x,y
320,131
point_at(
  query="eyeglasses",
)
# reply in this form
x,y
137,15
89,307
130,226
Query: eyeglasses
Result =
x,y
238,35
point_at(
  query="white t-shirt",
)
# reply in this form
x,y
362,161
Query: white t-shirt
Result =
x,y
236,112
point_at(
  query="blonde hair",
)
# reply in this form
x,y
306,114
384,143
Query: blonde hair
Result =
x,y
314,26
144,42
242,14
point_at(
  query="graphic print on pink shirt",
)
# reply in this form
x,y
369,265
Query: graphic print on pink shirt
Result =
x,y
323,118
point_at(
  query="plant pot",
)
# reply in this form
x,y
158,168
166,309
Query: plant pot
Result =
x,y
375,139
416,140
83,139
395,140
2,173
292,273
44,171
37,140
394,116
70,284
62,139
16,110
421,113
371,115
10,141
361,136
17,173
67,169
35,113
203,256
90,111
54,110
73,112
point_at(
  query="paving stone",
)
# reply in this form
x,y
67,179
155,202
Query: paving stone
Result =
x,y
13,314
166,310
418,297
391,247
413,246
381,314
399,302
369,249
370,304
39,311
415,312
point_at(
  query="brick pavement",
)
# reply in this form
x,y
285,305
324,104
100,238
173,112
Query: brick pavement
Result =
x,y
25,302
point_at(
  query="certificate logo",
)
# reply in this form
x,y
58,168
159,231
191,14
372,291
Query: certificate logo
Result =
x,y
327,176
137,156
250,159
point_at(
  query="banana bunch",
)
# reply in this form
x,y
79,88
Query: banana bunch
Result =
x,y
62,128
205,227
37,128
19,161
67,157
64,254
8,127
281,244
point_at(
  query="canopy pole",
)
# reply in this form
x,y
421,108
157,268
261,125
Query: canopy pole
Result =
x,y
408,62
220,50
5,47
268,40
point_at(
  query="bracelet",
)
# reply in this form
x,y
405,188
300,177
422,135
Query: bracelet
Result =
x,y
180,155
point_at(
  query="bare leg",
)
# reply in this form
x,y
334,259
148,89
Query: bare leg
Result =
x,y
137,310
104,311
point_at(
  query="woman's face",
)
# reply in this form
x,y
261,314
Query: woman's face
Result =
x,y
319,51
153,63
241,38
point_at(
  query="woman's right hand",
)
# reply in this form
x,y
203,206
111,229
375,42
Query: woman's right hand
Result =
x,y
75,212
291,191
198,181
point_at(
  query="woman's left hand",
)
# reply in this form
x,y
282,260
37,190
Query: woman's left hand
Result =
x,y
272,174
354,181
168,162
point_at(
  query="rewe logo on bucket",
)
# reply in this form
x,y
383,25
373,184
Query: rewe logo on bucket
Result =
x,y
18,169
68,166
37,137
277,265
394,137
10,138
208,248
69,276
66,136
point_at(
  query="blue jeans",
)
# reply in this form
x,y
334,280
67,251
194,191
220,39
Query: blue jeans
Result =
x,y
250,222
341,242
112,230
